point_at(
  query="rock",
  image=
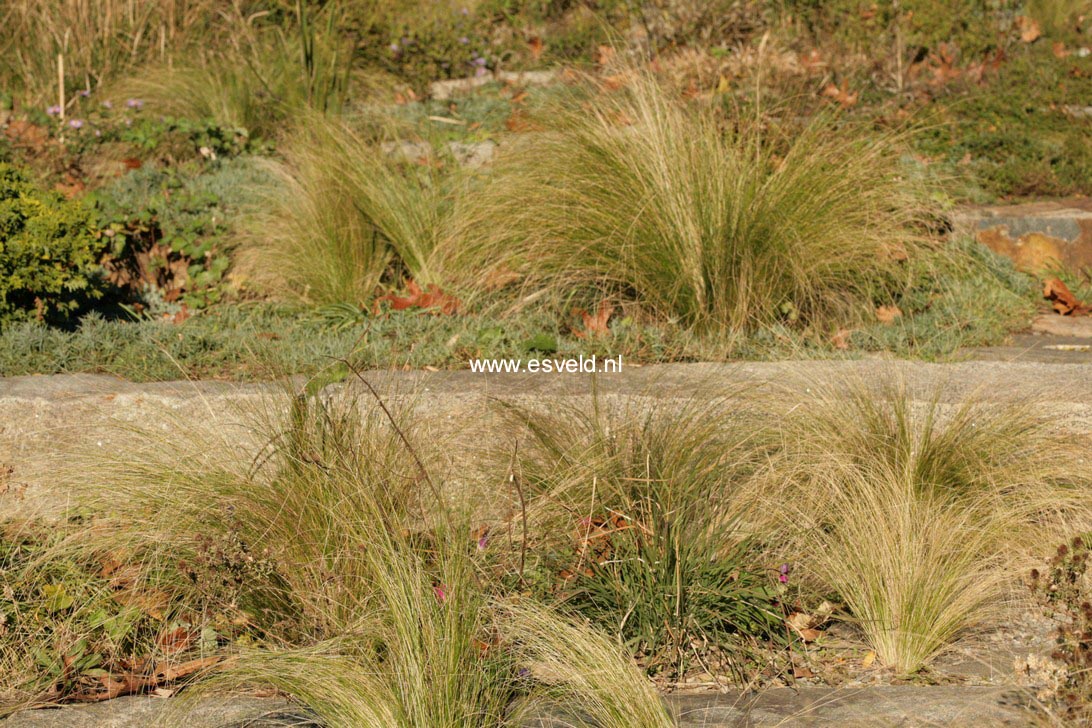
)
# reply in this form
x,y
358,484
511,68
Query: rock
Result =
x,y
443,90
1079,327
473,154
861,707
853,708
140,711
407,150
1077,112
466,154
1036,236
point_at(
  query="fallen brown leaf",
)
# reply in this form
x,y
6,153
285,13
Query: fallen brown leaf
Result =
x,y
178,639
1059,49
114,686
595,325
520,121
887,314
536,46
840,340
1062,299
840,94
433,298
1029,28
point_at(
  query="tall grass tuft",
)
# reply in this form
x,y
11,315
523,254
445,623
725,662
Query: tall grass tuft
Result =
x,y
259,76
723,229
99,39
373,609
348,217
919,514
640,505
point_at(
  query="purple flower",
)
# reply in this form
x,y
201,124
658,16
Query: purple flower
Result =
x,y
483,541
107,104
479,72
479,61
441,593
524,672
783,575
394,48
135,104
54,110
76,123
85,92
464,11
464,40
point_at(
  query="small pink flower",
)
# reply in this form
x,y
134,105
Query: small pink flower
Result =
x,y
783,575
440,590
54,110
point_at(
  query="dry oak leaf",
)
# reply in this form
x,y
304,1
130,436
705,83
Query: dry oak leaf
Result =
x,y
520,121
1059,49
434,298
595,325
887,314
840,340
536,46
1062,299
1029,28
840,94
804,625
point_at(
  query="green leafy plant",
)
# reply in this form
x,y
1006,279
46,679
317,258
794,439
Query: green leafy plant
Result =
x,y
168,230
48,252
1062,589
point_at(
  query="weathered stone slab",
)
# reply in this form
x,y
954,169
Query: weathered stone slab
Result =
x,y
467,154
901,705
143,712
1078,327
443,90
1035,235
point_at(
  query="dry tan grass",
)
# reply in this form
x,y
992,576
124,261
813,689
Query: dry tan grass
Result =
x,y
921,516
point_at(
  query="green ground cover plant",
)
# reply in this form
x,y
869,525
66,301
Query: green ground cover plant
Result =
x,y
169,230
1061,587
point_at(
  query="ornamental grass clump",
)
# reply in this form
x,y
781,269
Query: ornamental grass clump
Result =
x,y
376,608
723,225
636,512
348,216
920,514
